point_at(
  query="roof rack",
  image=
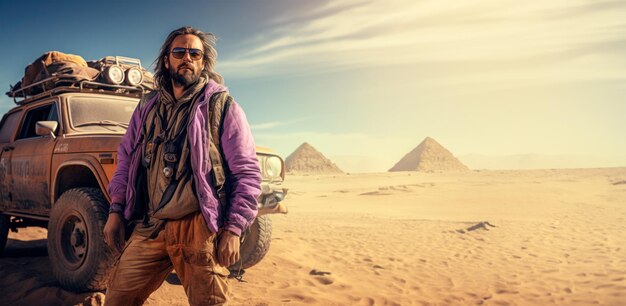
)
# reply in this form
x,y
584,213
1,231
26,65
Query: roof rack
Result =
x,y
70,83
122,60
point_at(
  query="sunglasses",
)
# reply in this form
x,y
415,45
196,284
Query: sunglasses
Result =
x,y
179,53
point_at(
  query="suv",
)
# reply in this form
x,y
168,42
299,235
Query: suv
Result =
x,y
58,153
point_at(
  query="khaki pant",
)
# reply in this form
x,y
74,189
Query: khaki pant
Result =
x,y
185,245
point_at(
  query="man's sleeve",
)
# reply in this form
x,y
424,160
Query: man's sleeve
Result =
x,y
119,182
245,176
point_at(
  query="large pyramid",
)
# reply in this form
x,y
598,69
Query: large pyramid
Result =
x,y
305,159
429,156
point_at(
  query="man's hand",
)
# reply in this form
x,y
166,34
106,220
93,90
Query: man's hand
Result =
x,y
228,248
114,231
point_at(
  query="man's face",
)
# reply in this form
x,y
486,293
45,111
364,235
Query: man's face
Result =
x,y
184,71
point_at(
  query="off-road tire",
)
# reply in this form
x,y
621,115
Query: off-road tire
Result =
x,y
79,257
255,245
4,232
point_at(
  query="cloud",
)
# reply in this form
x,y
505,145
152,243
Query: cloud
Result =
x,y
273,124
357,34
266,125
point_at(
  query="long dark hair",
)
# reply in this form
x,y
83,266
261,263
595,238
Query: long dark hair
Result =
x,y
162,74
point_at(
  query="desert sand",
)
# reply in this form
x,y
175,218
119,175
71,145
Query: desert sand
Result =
x,y
402,238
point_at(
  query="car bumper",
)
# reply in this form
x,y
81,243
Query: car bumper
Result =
x,y
270,200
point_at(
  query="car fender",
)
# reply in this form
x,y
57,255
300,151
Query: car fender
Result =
x,y
88,162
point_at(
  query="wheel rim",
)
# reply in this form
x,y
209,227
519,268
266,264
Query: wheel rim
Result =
x,y
74,240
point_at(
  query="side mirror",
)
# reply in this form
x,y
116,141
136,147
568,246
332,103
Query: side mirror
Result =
x,y
44,128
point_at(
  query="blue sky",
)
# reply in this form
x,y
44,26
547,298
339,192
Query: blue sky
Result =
x,y
365,81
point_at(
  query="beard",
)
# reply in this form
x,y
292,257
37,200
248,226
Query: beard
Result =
x,y
183,77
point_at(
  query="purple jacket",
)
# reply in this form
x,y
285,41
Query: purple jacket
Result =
x,y
239,154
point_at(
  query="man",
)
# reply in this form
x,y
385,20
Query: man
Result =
x,y
163,182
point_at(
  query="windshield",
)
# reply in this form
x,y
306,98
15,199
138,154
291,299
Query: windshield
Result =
x,y
101,113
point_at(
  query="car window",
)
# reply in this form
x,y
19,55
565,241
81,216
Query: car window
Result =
x,y
54,114
44,113
8,126
86,111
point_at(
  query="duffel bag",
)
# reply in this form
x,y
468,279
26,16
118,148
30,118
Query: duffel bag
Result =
x,y
69,67
38,69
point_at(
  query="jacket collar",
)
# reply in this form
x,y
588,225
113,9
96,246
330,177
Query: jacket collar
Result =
x,y
211,88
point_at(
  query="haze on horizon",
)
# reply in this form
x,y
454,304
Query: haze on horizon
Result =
x,y
365,81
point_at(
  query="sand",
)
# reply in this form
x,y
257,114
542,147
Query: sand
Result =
x,y
401,239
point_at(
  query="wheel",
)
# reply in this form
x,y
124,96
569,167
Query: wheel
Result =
x,y
4,231
255,245
79,257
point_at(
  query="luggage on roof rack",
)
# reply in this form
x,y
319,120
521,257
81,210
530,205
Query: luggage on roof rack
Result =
x,y
55,72
48,63
38,75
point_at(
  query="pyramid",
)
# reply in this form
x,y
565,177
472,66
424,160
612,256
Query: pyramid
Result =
x,y
305,159
429,156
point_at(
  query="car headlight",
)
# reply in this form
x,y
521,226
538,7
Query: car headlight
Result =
x,y
114,74
273,167
134,76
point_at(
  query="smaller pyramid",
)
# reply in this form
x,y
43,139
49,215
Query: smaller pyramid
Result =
x,y
429,155
306,159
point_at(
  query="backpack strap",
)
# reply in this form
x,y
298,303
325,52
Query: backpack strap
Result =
x,y
218,106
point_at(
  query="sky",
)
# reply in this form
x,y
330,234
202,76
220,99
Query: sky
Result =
x,y
364,82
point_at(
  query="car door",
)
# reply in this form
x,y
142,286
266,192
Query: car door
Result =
x,y
8,128
30,160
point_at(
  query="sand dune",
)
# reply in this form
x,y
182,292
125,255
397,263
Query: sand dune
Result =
x,y
402,239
